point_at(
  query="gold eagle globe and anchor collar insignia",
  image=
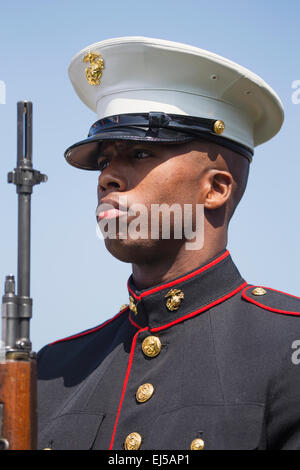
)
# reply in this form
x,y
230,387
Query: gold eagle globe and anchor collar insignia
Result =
x,y
166,304
123,306
174,300
132,305
94,71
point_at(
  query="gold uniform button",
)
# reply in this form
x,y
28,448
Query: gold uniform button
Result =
x,y
133,441
259,291
151,346
144,393
197,444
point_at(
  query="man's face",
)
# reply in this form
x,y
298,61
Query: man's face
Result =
x,y
147,173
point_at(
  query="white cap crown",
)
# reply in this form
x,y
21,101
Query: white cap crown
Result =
x,y
140,75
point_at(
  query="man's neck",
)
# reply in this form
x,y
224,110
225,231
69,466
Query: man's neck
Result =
x,y
163,270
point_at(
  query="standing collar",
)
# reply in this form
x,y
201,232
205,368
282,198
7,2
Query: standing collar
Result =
x,y
169,303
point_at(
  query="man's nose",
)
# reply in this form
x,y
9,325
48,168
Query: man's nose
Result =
x,y
111,179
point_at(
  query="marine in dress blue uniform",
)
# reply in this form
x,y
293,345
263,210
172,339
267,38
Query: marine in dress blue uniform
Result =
x,y
203,360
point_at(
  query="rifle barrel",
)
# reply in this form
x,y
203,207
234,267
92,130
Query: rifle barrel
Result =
x,y
18,381
24,160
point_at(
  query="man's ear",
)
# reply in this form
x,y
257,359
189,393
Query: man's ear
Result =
x,y
219,187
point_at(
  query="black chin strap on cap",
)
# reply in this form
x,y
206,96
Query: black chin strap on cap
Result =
x,y
157,120
155,123
149,127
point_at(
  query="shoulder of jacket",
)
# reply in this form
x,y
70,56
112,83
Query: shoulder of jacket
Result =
x,y
91,330
272,300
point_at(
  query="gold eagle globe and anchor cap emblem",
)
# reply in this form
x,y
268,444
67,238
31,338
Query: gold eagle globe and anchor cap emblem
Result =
x,y
94,71
174,300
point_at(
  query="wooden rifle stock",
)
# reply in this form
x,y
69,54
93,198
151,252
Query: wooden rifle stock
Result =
x,y
18,397
18,381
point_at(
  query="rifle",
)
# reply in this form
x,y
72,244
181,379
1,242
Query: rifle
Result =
x,y
18,383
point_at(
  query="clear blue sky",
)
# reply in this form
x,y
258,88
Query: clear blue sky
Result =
x,y
76,284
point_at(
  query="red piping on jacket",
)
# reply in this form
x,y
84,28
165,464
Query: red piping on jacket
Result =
x,y
202,309
181,279
125,384
206,307
134,324
91,330
271,309
195,312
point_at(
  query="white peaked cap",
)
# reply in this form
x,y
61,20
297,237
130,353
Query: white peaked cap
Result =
x,y
142,75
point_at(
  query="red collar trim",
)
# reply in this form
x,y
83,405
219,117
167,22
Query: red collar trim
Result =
x,y
196,312
181,279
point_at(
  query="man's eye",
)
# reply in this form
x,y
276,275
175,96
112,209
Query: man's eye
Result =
x,y
140,154
102,164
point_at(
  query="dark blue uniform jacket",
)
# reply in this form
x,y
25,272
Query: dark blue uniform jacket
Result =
x,y
227,370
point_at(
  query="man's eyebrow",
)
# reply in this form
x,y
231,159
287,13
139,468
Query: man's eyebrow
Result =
x,y
108,151
103,153
117,147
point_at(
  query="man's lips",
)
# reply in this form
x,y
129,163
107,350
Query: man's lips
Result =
x,y
110,214
109,209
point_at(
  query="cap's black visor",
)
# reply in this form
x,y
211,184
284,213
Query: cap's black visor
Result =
x,y
146,127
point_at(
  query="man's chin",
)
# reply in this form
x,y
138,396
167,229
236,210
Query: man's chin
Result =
x,y
138,251
128,251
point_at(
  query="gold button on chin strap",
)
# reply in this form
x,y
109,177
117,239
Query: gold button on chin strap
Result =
x,y
219,127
